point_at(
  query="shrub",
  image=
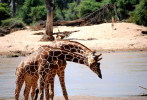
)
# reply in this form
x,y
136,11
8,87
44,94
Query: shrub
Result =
x,y
86,7
4,12
26,9
139,15
13,23
71,12
38,13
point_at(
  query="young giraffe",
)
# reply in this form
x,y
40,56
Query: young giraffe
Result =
x,y
71,46
29,73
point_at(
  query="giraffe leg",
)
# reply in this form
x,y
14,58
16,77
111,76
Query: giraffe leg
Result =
x,y
19,83
47,88
27,90
51,86
62,82
41,86
34,87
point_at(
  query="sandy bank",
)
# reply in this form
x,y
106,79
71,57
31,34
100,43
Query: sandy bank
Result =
x,y
124,36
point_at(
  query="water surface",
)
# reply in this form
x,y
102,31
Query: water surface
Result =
x,y
123,73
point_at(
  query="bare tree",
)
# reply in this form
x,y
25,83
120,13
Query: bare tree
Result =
x,y
49,23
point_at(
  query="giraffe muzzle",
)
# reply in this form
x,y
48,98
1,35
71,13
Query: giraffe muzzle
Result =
x,y
100,75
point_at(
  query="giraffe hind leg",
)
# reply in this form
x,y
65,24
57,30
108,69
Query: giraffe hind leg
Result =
x,y
27,91
19,83
34,87
19,80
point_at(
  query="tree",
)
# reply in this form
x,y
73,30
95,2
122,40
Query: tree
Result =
x,y
76,5
49,23
13,7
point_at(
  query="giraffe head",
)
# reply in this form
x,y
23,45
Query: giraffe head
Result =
x,y
95,66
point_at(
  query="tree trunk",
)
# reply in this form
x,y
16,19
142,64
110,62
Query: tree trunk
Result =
x,y
75,12
13,7
49,23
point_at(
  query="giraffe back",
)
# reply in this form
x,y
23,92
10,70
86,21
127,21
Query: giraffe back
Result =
x,y
71,46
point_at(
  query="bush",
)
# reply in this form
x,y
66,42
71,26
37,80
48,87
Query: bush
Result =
x,y
125,7
139,15
71,13
38,13
86,7
4,12
13,23
26,9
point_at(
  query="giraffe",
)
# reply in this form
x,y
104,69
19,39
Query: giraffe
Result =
x,y
26,72
71,46
55,54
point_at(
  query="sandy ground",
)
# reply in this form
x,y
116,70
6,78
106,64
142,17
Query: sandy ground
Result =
x,y
102,37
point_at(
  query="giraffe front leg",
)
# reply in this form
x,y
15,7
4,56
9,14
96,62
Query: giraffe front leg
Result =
x,y
62,83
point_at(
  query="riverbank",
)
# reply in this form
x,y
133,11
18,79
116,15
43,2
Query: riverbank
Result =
x,y
102,37
96,98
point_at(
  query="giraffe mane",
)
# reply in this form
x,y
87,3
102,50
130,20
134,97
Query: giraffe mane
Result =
x,y
73,42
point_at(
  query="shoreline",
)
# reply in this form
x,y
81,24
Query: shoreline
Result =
x,y
92,98
18,53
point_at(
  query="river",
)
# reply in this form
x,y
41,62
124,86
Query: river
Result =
x,y
123,73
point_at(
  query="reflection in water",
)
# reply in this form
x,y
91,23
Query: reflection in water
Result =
x,y
123,73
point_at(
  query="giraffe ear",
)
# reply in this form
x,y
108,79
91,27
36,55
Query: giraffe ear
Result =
x,y
94,52
97,57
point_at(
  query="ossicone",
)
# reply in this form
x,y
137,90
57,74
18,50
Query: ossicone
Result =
x,y
97,57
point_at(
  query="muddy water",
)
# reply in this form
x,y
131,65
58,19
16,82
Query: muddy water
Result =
x,y
123,73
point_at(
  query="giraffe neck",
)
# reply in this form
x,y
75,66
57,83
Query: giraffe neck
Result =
x,y
58,54
72,46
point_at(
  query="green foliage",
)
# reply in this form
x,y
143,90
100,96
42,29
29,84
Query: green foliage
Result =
x,y
62,4
13,23
58,15
26,13
86,7
105,2
64,10
139,15
31,11
4,12
68,13
71,13
124,7
38,13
